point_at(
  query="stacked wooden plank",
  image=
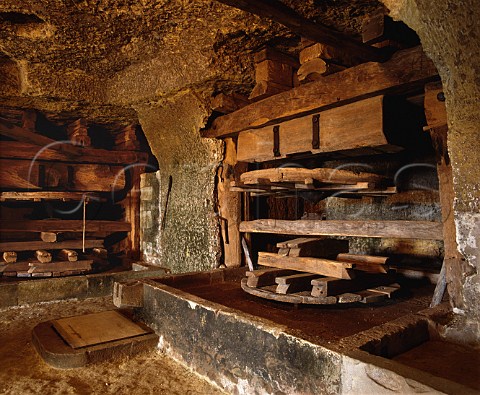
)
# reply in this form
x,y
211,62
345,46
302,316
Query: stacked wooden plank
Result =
x,y
42,264
346,278
274,73
281,181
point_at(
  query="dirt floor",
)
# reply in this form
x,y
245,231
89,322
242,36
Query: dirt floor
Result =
x,y
22,371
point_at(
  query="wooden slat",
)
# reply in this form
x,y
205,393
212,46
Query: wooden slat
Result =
x,y
27,150
42,245
281,13
45,225
294,283
389,229
324,267
407,70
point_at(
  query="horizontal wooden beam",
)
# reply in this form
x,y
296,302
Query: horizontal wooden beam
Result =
x,y
408,70
42,245
20,134
25,174
50,225
26,150
388,229
281,13
47,195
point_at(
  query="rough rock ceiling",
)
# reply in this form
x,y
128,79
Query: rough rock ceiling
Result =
x,y
90,47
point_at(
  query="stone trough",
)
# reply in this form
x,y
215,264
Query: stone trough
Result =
x,y
247,345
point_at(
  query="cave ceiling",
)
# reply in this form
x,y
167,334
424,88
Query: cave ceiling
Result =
x,y
98,58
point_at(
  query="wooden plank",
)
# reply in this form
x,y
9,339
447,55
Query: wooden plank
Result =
x,y
324,175
49,195
354,126
264,277
427,230
42,245
97,328
321,248
25,174
408,70
330,286
27,150
324,267
53,225
61,266
387,290
365,259
281,13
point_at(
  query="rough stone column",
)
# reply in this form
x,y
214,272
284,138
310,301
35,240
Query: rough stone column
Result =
x,y
190,240
450,34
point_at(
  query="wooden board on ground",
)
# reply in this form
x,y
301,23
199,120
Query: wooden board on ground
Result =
x,y
324,267
97,328
427,230
62,266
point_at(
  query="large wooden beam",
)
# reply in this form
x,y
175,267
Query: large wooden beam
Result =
x,y
27,150
389,229
408,70
281,13
49,225
324,267
24,174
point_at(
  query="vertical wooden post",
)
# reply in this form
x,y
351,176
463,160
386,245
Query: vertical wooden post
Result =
x,y
132,215
437,125
229,208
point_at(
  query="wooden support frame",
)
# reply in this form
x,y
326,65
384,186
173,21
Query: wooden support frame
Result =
x,y
407,71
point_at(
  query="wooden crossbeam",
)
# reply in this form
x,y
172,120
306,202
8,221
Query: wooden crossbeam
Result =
x,y
42,245
46,225
424,230
28,136
281,13
408,70
324,267
26,150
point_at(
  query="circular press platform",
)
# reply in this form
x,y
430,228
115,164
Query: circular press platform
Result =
x,y
324,293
